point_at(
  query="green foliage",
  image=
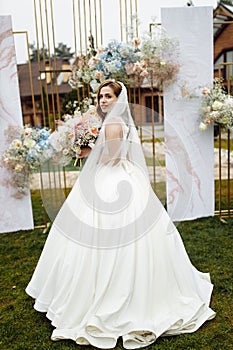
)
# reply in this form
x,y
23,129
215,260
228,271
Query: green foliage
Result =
x,y
207,241
69,102
61,51
74,99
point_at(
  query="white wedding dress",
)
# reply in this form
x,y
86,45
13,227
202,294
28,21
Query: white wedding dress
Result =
x,y
135,285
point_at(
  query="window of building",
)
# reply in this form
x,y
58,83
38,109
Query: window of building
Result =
x,y
157,108
227,70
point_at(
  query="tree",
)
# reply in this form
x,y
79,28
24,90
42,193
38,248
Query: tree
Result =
x,y
62,51
43,53
225,2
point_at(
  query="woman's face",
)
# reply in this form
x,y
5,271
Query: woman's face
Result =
x,y
106,99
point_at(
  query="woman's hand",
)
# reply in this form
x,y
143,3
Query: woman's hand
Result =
x,y
84,152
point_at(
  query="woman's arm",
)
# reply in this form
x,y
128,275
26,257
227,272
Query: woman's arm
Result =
x,y
85,152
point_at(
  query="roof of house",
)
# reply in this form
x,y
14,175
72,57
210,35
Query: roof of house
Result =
x,y
44,75
222,13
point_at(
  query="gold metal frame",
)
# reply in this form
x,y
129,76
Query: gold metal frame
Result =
x,y
225,193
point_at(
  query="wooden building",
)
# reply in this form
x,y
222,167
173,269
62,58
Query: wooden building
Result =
x,y
45,82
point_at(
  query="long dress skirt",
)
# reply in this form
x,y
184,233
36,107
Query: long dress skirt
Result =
x,y
139,290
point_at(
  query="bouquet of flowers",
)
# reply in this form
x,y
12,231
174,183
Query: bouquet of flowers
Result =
x,y
75,132
29,148
216,107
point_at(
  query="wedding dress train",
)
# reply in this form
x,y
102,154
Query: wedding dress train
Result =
x,y
140,290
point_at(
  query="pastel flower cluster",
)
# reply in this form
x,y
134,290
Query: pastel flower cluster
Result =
x,y
28,149
159,59
76,131
154,59
216,107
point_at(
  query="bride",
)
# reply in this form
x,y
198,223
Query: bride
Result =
x,y
114,264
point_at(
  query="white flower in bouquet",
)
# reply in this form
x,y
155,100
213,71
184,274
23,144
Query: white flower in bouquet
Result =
x,y
66,117
94,84
18,168
202,126
216,105
77,114
205,91
27,131
213,115
16,143
65,152
29,143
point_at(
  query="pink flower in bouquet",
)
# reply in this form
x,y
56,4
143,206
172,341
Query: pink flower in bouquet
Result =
x,y
94,131
93,62
27,131
205,91
136,41
17,143
137,67
99,75
100,50
214,114
208,121
71,135
129,67
144,73
143,64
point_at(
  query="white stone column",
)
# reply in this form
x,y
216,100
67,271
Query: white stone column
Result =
x,y
189,151
16,214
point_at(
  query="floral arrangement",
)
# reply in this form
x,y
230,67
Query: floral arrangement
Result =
x,y
29,148
109,63
75,132
159,59
154,58
216,107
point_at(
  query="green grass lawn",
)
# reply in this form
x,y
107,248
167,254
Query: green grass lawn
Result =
x,y
208,242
